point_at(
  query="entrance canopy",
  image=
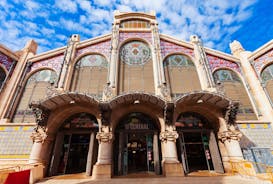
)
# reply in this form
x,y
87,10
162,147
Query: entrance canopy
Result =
x,y
65,99
205,97
137,98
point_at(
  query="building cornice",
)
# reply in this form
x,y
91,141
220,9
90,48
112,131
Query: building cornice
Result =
x,y
92,41
134,15
8,52
61,50
207,50
262,50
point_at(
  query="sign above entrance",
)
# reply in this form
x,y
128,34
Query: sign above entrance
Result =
x,y
136,126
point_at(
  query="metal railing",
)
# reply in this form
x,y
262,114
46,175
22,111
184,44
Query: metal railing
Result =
x,y
248,168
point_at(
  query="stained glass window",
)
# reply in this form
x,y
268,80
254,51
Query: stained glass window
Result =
x,y
178,61
81,120
93,60
267,73
43,76
135,53
225,75
135,24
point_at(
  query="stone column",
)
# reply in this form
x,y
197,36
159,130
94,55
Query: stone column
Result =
x,y
89,165
102,169
255,86
202,65
171,165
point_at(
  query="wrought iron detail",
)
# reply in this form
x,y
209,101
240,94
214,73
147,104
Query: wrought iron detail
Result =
x,y
105,113
168,113
231,112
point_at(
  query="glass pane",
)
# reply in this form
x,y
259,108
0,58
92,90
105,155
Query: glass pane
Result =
x,y
93,61
267,73
178,61
226,75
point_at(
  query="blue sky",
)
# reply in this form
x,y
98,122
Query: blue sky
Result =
x,y
218,22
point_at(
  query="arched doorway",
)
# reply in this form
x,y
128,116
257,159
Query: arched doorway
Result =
x,y
196,146
75,148
136,147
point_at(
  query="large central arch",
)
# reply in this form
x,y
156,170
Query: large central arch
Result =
x,y
136,147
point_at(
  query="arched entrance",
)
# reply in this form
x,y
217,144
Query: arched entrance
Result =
x,y
75,148
196,146
136,147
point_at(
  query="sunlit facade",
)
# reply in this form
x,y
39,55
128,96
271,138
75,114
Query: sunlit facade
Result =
x,y
135,101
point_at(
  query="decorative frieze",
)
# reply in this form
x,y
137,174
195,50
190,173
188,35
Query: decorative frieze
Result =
x,y
217,62
54,63
102,47
263,60
6,61
168,48
230,135
168,136
147,36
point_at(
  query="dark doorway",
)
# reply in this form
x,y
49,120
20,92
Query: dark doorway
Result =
x,y
136,146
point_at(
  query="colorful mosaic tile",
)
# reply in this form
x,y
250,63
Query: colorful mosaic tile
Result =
x,y
147,36
169,48
102,47
6,61
263,60
259,134
55,63
216,62
15,141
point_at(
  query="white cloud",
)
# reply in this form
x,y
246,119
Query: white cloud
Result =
x,y
66,5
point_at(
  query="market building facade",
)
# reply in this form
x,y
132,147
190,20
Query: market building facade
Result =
x,y
135,100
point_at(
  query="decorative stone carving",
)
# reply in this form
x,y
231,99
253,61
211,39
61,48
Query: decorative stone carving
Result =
x,y
39,135
168,136
105,135
108,91
165,91
229,135
231,112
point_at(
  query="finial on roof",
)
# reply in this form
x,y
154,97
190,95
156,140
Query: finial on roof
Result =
x,y
236,48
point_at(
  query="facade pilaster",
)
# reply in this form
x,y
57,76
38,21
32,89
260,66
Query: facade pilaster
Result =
x,y
160,81
63,82
255,86
202,65
15,84
111,88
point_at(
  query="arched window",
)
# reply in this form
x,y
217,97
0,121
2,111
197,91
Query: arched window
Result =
x,y
35,90
135,24
90,75
2,77
136,68
234,89
181,75
267,78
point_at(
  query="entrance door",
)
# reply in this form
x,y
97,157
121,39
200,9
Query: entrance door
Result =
x,y
136,149
73,155
198,150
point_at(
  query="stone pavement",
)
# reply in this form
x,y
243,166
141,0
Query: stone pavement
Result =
x,y
158,180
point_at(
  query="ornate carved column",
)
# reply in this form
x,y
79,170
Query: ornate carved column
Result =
x,y
39,136
103,167
171,165
230,137
105,137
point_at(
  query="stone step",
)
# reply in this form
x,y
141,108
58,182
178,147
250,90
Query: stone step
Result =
x,y
159,180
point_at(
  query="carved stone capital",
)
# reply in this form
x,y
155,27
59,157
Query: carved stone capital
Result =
x,y
105,137
108,92
229,135
164,91
39,135
41,114
168,136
